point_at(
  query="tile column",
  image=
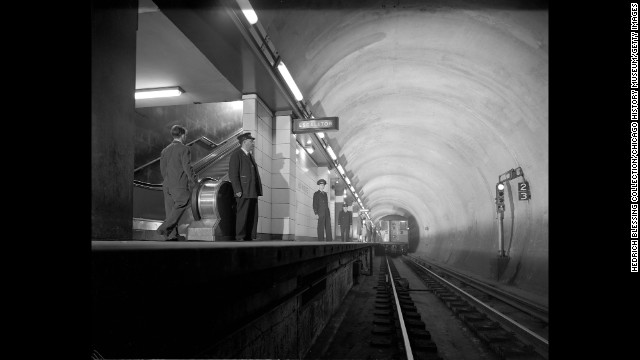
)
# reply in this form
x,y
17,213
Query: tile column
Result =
x,y
283,179
257,118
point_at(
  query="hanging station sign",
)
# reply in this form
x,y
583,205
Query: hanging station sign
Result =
x,y
302,126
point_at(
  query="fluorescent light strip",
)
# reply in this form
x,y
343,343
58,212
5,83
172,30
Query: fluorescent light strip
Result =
x,y
287,77
248,11
341,170
158,92
331,153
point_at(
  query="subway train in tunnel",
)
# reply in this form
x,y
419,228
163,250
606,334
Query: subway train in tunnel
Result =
x,y
427,121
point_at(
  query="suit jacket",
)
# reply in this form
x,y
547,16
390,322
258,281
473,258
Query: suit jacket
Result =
x,y
320,203
244,175
345,218
175,166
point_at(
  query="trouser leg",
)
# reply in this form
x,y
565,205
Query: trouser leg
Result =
x,y
176,204
345,233
242,213
251,231
320,227
327,227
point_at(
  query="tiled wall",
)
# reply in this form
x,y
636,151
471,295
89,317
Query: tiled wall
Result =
x,y
307,171
288,176
258,119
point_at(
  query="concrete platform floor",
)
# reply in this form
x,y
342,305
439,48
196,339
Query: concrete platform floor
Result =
x,y
146,244
348,333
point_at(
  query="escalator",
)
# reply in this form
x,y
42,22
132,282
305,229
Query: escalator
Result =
x,y
212,197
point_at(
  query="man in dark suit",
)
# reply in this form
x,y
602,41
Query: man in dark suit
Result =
x,y
245,180
344,220
321,209
178,180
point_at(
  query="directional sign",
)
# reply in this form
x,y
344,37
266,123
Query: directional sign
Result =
x,y
301,126
524,193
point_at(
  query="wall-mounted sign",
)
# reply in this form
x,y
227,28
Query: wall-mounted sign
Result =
x,y
301,126
524,193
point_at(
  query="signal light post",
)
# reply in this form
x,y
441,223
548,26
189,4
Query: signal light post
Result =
x,y
500,210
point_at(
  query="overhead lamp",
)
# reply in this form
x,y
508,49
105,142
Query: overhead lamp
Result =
x,y
287,77
340,169
248,11
310,149
320,134
352,189
331,153
308,141
346,179
158,92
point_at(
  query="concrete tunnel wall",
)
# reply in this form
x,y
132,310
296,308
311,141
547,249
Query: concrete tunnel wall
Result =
x,y
435,102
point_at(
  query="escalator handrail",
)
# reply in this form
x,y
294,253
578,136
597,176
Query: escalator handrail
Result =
x,y
204,139
220,152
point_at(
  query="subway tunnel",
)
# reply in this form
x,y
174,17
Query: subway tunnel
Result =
x,y
438,102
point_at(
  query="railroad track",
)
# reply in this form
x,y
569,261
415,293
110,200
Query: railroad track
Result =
x,y
396,320
511,326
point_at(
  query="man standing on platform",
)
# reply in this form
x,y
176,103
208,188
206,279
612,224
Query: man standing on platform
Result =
x,y
245,180
344,220
178,180
321,209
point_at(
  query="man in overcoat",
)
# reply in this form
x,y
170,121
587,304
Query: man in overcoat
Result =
x,y
321,209
344,220
178,180
245,180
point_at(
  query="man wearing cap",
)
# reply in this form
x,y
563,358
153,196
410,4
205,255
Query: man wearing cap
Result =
x,y
178,180
344,220
321,209
245,180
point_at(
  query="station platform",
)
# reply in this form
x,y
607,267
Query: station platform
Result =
x,y
251,299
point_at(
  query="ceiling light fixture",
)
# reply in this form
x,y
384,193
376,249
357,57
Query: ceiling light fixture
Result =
x,y
158,92
287,77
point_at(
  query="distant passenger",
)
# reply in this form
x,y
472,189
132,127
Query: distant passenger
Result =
x,y
321,209
245,180
344,220
178,180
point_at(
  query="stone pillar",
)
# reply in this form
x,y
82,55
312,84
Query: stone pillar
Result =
x,y
257,118
283,179
113,76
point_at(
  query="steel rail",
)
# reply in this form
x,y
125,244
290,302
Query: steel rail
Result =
x,y
405,335
511,299
495,312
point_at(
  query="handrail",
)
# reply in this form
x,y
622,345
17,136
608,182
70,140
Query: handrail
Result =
x,y
147,185
205,139
221,151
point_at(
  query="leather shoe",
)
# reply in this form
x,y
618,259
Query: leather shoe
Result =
x,y
177,238
239,240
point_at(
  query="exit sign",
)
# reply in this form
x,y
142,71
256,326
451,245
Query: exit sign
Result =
x,y
524,193
301,126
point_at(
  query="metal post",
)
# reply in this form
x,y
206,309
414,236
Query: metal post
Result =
x,y
500,234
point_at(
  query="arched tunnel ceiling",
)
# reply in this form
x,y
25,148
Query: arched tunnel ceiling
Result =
x,y
435,99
